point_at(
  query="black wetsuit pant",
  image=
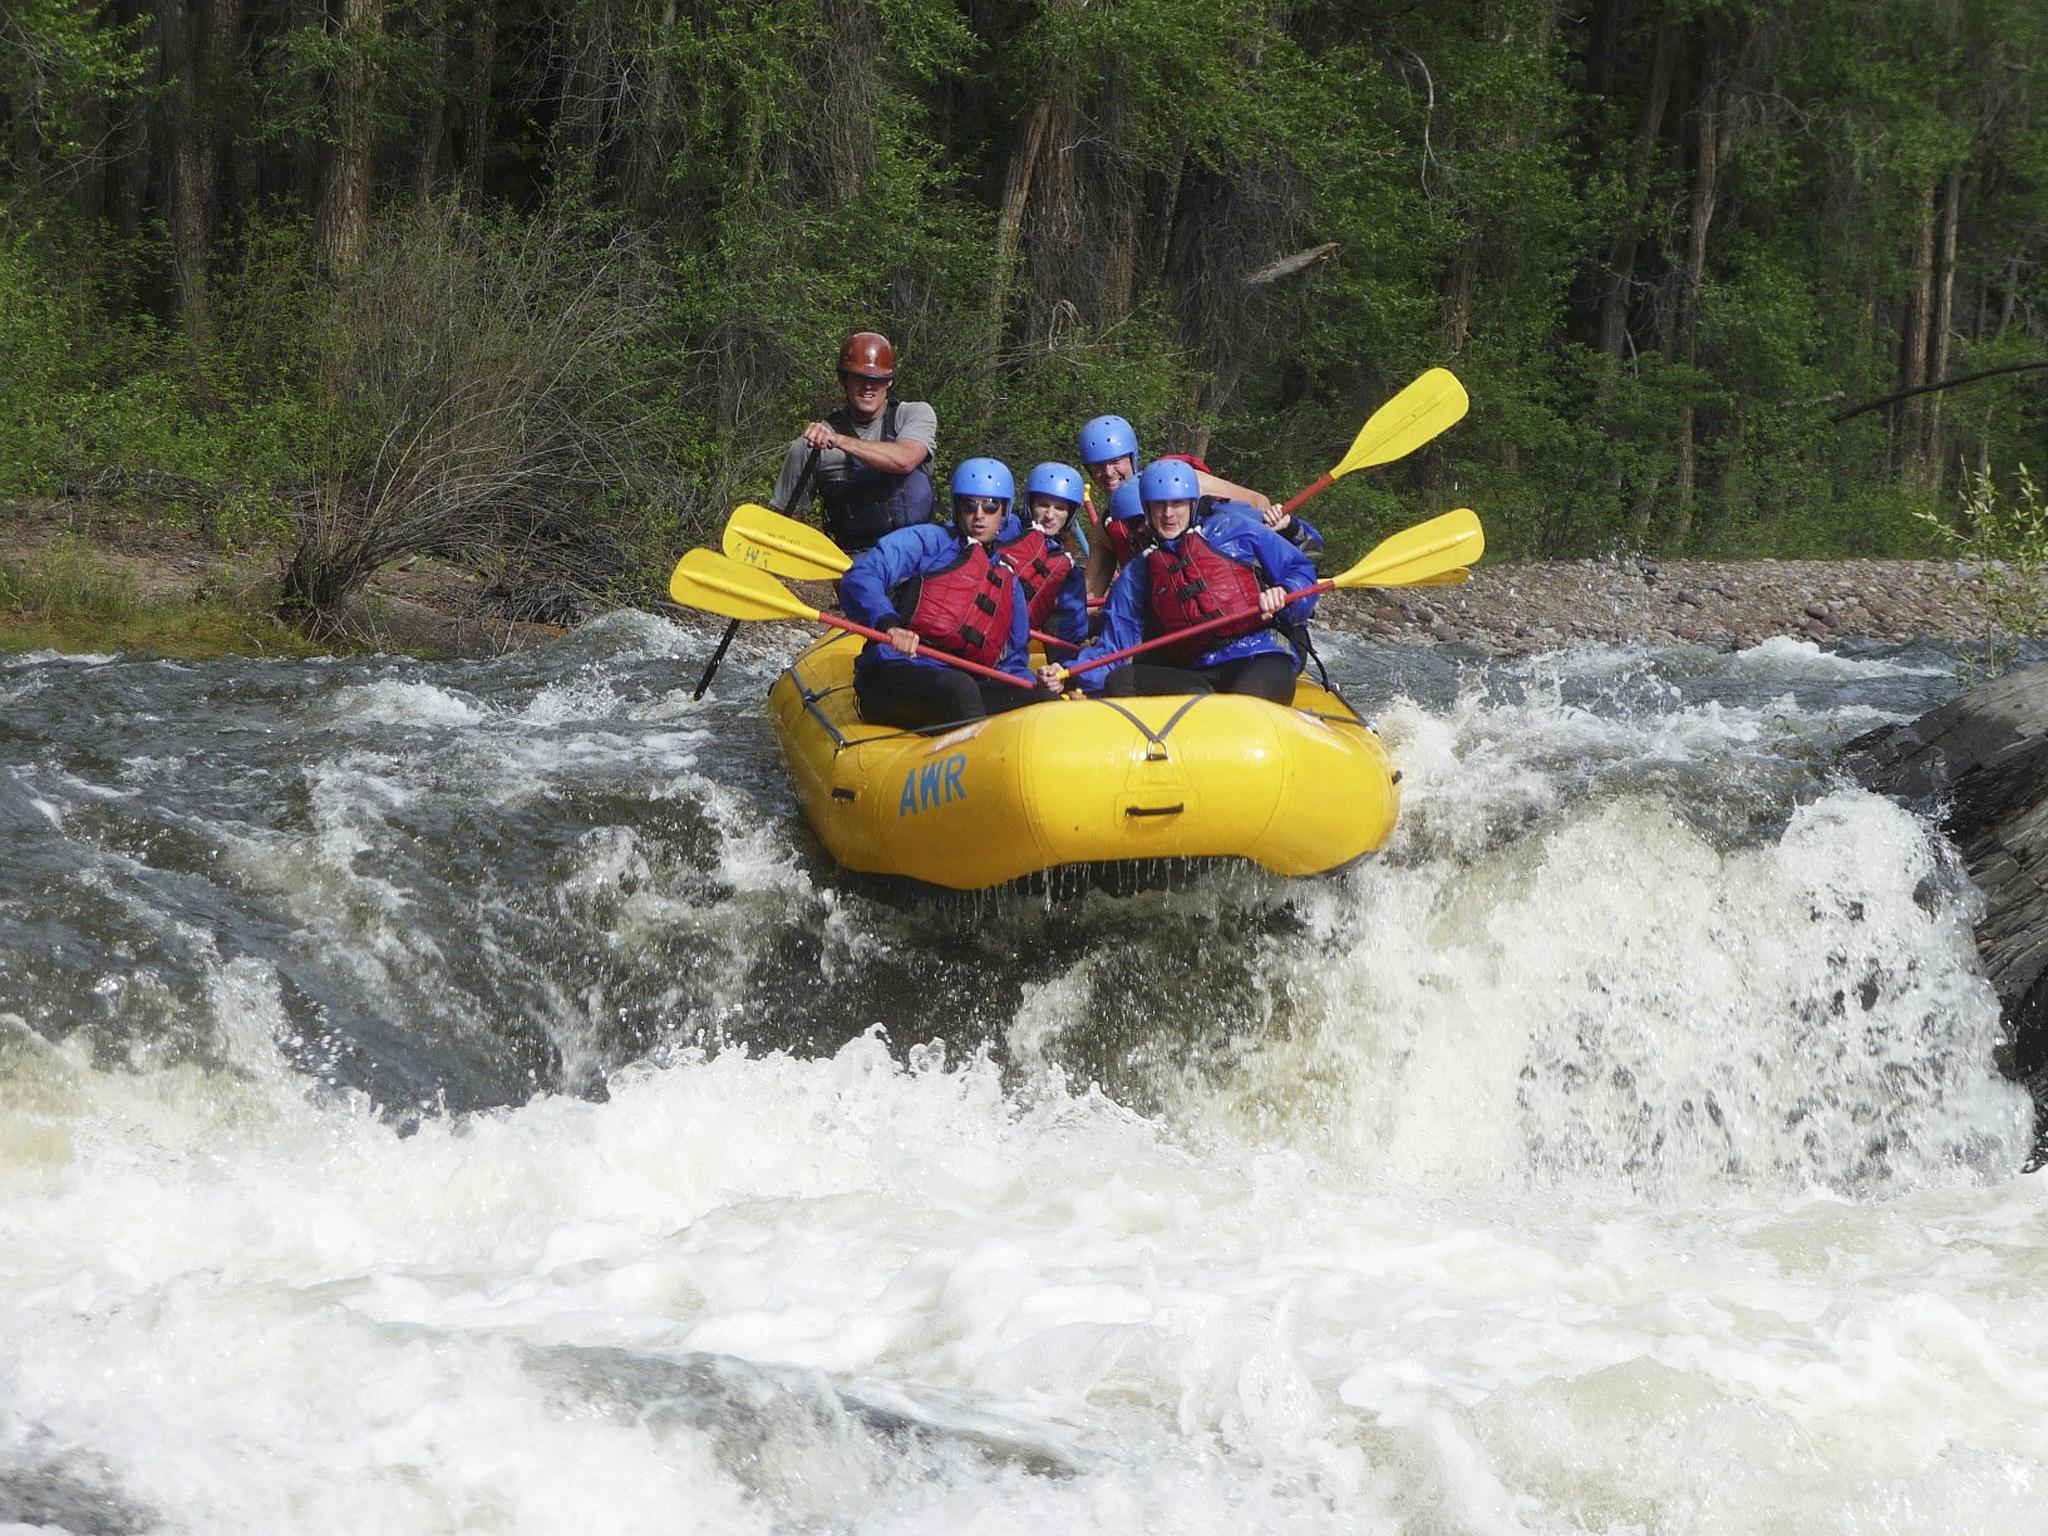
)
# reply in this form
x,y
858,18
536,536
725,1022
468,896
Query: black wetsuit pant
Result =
x,y
1268,675
917,698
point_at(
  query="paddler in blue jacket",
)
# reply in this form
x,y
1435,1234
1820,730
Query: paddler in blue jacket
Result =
x,y
1109,451
934,588
1047,555
1233,564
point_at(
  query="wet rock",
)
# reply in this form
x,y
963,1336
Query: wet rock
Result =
x,y
1980,765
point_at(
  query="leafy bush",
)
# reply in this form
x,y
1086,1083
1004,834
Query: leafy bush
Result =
x,y
2003,538
478,392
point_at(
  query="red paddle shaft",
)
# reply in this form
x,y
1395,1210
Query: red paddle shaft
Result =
x,y
1192,630
1322,483
949,659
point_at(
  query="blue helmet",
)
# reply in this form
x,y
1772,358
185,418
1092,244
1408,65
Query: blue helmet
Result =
x,y
1124,504
1168,480
984,477
1055,480
1106,438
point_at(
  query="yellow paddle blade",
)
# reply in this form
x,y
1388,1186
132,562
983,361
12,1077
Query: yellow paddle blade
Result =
x,y
1419,554
1456,576
706,579
1430,405
760,536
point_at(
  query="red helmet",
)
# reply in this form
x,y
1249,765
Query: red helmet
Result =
x,y
868,354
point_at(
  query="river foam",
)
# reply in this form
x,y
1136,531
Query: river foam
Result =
x,y
500,1116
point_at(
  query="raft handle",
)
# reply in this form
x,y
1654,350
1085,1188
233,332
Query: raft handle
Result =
x,y
840,793
1154,810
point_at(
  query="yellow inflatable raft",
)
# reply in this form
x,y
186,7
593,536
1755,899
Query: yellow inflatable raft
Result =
x,y
1073,781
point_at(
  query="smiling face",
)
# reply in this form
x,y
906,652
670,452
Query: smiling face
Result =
x,y
1170,519
865,397
979,517
1112,473
1050,515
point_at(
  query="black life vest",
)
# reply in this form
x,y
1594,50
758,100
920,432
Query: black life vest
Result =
x,y
963,609
1042,567
1195,584
867,503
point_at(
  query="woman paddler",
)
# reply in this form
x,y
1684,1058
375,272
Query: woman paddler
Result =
x,y
936,588
1232,565
1109,452
1047,555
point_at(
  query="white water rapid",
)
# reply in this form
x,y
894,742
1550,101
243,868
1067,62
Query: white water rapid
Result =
x,y
459,1098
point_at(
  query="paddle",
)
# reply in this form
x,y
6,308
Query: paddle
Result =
x,y
1424,555
796,496
763,538
1431,404
706,579
767,540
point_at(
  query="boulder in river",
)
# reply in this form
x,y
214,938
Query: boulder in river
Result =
x,y
1979,766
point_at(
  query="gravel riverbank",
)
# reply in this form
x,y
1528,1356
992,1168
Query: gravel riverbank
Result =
x,y
1516,609
1506,609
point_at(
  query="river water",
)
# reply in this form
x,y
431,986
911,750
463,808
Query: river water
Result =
x,y
460,1097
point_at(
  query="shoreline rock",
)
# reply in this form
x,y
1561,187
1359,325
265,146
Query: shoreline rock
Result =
x,y
1978,766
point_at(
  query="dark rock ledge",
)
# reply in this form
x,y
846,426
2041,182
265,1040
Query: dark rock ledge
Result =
x,y
1979,765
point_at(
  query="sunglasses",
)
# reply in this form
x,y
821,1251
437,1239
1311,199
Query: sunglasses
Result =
x,y
861,383
980,504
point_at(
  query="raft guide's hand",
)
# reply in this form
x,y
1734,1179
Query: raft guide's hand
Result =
x,y
904,640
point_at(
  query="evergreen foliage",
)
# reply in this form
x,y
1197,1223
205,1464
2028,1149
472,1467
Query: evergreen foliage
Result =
x,y
279,269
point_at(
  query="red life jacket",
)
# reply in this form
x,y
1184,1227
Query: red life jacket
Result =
x,y
964,609
1194,585
1128,537
1041,568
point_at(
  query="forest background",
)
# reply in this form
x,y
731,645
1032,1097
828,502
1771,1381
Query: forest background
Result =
x,y
547,286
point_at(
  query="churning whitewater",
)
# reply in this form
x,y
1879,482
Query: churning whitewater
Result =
x,y
460,1096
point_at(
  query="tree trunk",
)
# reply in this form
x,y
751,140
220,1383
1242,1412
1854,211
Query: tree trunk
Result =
x,y
1913,360
476,98
1711,146
1024,153
1459,289
650,146
343,220
586,83
433,153
1621,254
1944,313
185,34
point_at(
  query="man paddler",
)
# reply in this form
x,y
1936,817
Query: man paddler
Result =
x,y
874,453
943,588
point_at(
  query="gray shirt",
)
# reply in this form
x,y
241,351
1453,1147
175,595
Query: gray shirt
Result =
x,y
916,422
